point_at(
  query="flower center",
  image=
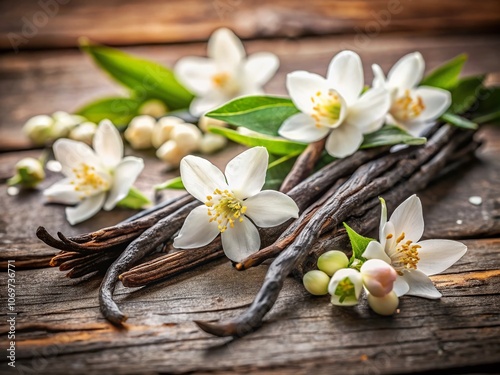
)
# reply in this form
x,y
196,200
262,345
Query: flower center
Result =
x,y
345,289
87,181
407,108
225,209
406,254
221,80
327,108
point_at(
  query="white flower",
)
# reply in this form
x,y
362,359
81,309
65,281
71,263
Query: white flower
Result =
x,y
378,277
232,203
226,74
94,179
412,259
345,287
412,108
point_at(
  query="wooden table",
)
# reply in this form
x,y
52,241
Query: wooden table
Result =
x,y
60,330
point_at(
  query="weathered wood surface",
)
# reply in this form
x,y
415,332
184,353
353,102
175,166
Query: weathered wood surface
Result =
x,y
27,24
61,331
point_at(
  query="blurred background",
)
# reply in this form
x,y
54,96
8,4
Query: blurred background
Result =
x,y
42,71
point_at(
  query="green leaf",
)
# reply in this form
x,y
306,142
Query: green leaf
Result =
x,y
446,76
119,110
263,114
174,183
277,146
465,93
358,242
278,169
134,200
145,78
487,107
458,121
390,135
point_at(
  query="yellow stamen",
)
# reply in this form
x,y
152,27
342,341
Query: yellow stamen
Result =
x,y
225,209
327,108
407,108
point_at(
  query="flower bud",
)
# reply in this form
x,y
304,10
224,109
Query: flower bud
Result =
x,y
187,136
39,129
378,277
385,305
332,261
345,287
83,132
316,282
163,128
64,123
170,153
153,107
205,122
29,172
211,143
139,132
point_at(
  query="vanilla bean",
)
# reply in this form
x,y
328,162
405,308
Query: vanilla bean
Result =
x,y
138,249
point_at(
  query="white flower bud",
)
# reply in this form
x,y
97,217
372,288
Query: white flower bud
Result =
x,y
332,261
39,129
170,153
29,172
139,132
378,277
385,305
187,136
153,107
205,122
163,128
83,132
211,143
64,123
345,287
316,282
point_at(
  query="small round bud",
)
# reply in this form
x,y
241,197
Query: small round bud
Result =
x,y
64,123
84,132
163,128
332,261
29,172
205,122
139,132
39,129
187,136
345,287
212,143
378,277
170,153
385,305
153,107
316,282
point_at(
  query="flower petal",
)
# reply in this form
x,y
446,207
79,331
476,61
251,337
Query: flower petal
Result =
x,y
378,76
196,74
436,102
407,72
400,287
438,255
62,192
345,74
302,128
108,144
302,86
383,220
199,106
241,241
196,231
420,285
85,210
260,67
417,129
371,107
408,218
125,175
270,208
344,141
200,177
246,173
72,154
226,49
375,250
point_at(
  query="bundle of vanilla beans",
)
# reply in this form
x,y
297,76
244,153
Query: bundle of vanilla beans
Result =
x,y
346,190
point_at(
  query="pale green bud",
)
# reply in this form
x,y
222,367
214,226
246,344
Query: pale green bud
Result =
x,y
29,172
332,261
345,287
386,305
39,129
139,132
316,282
153,107
212,143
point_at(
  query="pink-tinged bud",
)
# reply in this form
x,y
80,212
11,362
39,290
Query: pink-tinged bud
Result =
x,y
378,277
